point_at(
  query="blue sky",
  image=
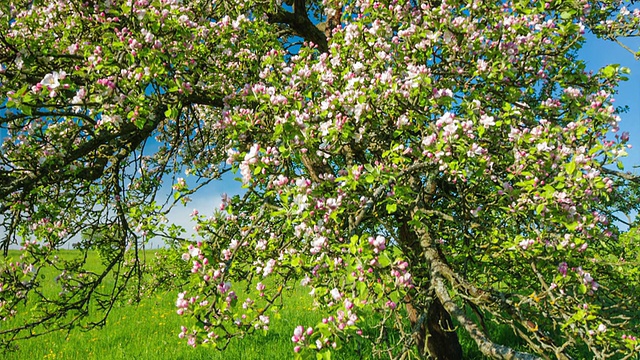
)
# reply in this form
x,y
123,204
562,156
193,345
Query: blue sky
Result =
x,y
599,53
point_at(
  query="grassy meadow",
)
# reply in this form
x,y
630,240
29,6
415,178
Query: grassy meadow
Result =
x,y
149,331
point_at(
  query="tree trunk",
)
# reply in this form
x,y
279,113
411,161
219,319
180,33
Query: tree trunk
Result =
x,y
442,342
436,330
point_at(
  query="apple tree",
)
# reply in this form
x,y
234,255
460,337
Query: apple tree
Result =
x,y
442,167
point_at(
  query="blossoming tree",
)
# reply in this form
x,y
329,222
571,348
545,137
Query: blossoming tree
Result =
x,y
438,166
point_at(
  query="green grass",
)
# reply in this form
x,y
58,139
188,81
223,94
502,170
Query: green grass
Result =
x,y
149,330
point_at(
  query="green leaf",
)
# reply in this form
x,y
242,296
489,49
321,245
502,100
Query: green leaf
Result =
x,y
582,289
395,296
353,244
139,123
610,70
27,98
571,167
362,288
549,191
620,165
571,226
566,15
350,278
383,260
26,110
391,208
295,262
378,289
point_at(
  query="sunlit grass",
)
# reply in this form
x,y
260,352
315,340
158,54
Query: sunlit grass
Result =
x,y
149,330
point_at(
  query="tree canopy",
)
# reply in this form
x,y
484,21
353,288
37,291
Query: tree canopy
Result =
x,y
442,166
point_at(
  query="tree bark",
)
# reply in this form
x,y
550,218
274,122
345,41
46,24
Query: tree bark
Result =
x,y
442,340
431,326
435,329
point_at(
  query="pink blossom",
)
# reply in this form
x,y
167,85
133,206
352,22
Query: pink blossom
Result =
x,y
192,341
52,81
348,304
545,147
572,92
391,305
487,121
194,251
562,269
298,334
335,294
625,136
182,302
224,287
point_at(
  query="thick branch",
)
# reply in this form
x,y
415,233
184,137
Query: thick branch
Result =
x,y
205,99
302,26
300,7
486,346
440,273
626,176
129,138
